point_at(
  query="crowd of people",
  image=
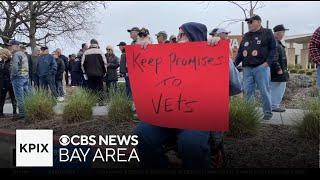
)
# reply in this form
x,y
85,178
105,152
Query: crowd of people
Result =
x,y
261,54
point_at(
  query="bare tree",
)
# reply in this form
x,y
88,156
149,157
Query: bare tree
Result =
x,y
9,21
44,21
248,9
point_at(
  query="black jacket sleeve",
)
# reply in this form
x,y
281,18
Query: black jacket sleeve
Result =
x,y
114,64
271,47
277,57
62,66
123,64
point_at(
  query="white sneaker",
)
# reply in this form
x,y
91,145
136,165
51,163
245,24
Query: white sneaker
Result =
x,y
60,99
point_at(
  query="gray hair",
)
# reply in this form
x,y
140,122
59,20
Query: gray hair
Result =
x,y
94,41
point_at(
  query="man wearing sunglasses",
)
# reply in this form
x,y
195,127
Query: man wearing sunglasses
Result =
x,y
256,52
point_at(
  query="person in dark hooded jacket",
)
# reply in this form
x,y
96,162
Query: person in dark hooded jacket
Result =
x,y
113,64
76,71
5,81
193,146
59,76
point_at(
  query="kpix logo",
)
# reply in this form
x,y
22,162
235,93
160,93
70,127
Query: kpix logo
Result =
x,y
34,148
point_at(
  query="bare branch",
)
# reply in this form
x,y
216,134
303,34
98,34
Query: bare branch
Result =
x,y
242,8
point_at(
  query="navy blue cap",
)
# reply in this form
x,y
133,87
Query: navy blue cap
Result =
x,y
13,42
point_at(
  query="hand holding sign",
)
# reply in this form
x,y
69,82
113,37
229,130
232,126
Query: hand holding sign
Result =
x,y
181,85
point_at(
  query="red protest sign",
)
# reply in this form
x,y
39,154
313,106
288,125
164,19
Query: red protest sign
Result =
x,y
183,85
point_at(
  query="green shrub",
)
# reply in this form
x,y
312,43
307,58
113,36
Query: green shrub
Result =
x,y
309,73
301,71
309,126
291,66
244,117
39,105
79,106
293,71
122,86
314,92
120,106
298,66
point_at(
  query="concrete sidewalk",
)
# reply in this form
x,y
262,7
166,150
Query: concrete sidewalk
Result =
x,y
290,117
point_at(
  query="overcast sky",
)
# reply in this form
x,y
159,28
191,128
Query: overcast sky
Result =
x,y
300,17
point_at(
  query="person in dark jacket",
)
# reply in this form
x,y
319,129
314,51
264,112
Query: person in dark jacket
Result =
x,y
134,34
123,68
94,66
46,70
66,63
33,68
193,146
5,81
113,64
256,52
75,69
59,76
84,47
279,70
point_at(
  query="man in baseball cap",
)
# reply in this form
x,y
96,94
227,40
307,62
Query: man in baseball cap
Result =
x,y
279,70
256,53
213,32
223,34
162,37
144,32
122,44
279,28
134,34
134,29
123,68
13,42
222,31
173,39
253,18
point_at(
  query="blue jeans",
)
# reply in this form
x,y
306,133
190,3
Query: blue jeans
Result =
x,y
259,76
277,92
21,88
46,81
59,87
193,146
128,88
318,76
35,80
111,84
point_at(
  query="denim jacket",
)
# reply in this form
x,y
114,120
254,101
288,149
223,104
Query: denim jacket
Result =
x,y
46,66
19,65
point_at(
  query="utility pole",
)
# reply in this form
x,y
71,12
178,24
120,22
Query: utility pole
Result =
x,y
242,28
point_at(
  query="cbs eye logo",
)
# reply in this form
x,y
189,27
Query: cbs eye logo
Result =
x,y
64,140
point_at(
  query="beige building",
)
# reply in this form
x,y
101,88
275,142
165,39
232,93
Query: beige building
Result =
x,y
297,48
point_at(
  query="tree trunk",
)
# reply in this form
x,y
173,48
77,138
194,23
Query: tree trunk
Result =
x,y
32,29
251,9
